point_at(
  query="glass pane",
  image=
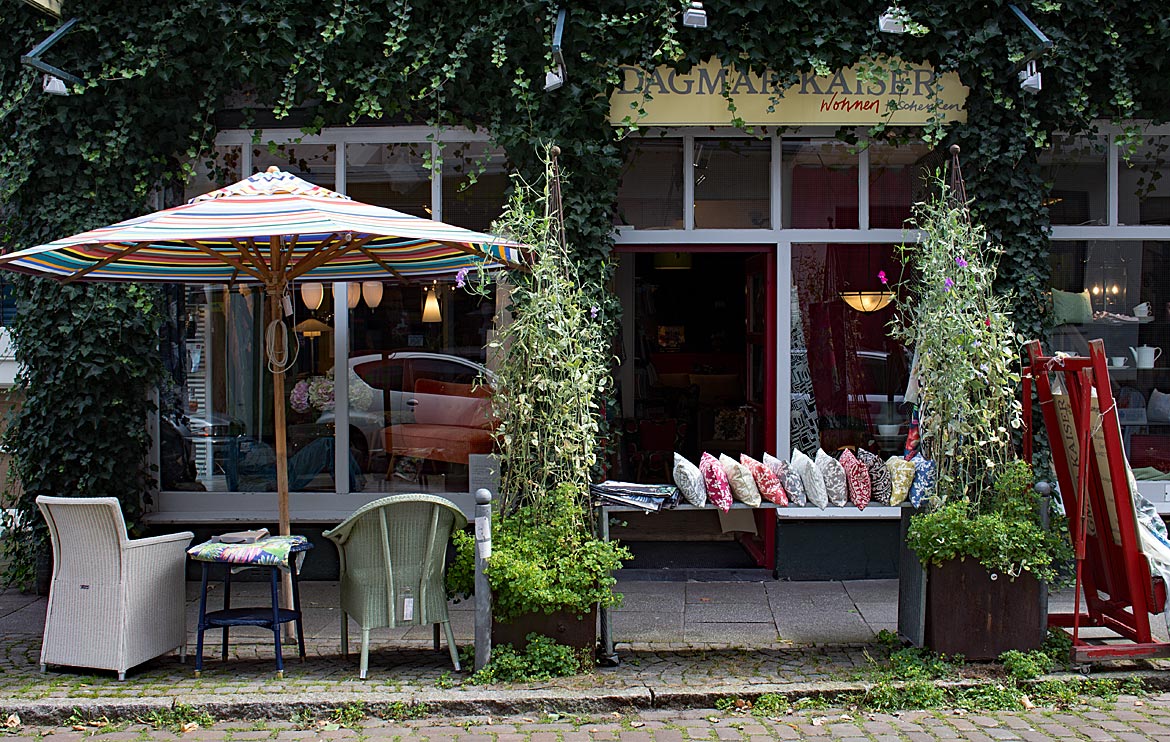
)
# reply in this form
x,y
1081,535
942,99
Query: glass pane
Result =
x,y
225,440
650,190
316,163
732,184
1143,188
1134,324
475,184
1076,170
218,168
897,180
820,184
848,376
420,395
390,175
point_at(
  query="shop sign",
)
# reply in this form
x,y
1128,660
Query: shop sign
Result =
x,y
904,96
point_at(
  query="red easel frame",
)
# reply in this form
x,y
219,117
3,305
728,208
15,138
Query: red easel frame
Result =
x,y
1112,574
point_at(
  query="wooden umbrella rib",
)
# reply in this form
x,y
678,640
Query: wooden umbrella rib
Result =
x,y
246,252
382,264
225,259
126,250
312,258
462,247
326,254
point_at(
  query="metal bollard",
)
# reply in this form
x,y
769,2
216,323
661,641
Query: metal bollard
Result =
x,y
483,593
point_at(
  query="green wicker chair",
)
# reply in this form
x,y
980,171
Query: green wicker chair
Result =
x,y
392,553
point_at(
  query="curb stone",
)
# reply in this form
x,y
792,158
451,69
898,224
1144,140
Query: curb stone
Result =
x,y
487,702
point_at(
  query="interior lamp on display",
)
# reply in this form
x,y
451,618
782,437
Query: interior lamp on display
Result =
x,y
1109,289
372,293
312,294
431,311
867,301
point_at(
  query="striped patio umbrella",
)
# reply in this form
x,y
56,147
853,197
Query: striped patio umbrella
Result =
x,y
270,229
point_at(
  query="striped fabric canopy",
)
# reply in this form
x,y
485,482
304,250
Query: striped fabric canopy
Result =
x,y
270,228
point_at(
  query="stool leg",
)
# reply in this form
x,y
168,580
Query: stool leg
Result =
x,y
296,592
202,625
276,621
227,603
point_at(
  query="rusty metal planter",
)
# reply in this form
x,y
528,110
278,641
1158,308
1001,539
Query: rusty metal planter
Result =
x,y
566,627
972,612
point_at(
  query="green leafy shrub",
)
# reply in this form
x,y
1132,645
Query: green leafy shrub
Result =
x,y
1026,665
543,659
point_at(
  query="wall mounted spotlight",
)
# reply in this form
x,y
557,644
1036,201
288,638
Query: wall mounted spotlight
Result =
x,y
555,78
1030,80
893,20
695,16
54,85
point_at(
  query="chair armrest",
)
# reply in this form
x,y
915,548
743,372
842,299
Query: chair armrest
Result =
x,y
185,536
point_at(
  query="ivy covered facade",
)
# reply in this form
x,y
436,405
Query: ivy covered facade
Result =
x,y
169,90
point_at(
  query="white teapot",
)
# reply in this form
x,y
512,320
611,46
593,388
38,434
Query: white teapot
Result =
x,y
1145,356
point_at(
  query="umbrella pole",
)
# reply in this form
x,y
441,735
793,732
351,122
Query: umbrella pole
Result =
x,y
275,292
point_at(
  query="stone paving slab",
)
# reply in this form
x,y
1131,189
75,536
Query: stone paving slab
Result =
x,y
1127,719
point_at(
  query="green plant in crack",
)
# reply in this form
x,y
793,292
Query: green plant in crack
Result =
x,y
178,718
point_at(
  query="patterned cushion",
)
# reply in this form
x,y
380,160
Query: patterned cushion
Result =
x,y
834,474
715,480
879,476
857,478
273,551
790,480
743,485
689,481
770,487
811,478
922,487
901,477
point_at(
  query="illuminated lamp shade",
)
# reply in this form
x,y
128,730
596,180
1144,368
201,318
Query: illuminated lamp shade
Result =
x,y
431,307
353,294
372,293
312,328
672,261
312,294
867,301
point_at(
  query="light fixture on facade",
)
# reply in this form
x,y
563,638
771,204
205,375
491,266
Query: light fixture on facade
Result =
x,y
867,301
1030,80
893,20
56,80
312,294
431,311
672,261
555,78
695,16
54,85
372,293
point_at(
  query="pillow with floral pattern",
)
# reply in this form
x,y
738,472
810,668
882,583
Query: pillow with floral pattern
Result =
x,y
901,477
857,479
715,481
793,486
810,477
743,485
879,476
770,487
834,474
689,481
923,485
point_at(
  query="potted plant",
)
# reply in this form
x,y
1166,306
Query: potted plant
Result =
x,y
548,569
978,534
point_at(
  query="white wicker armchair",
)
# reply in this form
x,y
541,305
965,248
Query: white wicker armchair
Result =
x,y
114,602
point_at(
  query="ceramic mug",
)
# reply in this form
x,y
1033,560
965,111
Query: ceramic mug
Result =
x,y
1142,310
1118,361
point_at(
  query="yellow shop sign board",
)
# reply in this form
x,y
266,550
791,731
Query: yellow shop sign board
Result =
x,y
905,96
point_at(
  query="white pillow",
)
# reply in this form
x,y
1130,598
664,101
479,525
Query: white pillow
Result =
x,y
743,484
836,486
811,478
789,478
689,481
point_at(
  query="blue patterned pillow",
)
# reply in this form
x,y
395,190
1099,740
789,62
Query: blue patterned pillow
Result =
x,y
922,488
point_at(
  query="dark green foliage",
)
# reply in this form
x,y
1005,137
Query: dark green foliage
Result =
x,y
543,659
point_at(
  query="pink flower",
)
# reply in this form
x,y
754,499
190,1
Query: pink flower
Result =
x,y
882,277
461,277
947,284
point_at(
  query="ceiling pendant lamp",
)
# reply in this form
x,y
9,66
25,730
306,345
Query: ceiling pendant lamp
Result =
x,y
372,293
431,311
312,294
867,301
353,294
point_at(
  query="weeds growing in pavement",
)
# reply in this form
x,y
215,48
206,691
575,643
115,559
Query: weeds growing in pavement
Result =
x,y
543,659
178,718
401,711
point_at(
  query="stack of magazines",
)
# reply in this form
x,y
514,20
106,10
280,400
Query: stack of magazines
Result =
x,y
648,497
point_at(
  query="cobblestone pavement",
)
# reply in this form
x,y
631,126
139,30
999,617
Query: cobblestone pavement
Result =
x,y
1126,720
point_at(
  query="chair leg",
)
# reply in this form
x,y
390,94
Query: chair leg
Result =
x,y
454,650
364,667
183,652
435,628
121,676
44,667
345,635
